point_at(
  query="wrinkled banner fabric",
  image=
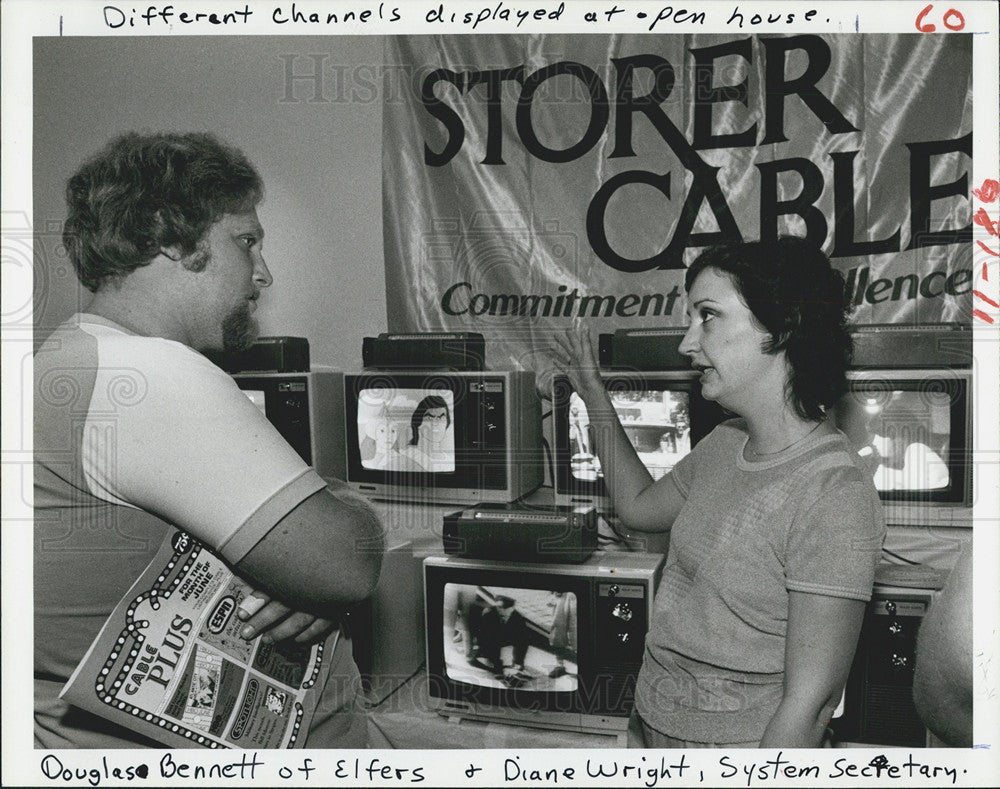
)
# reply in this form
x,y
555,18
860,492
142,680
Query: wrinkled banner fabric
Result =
x,y
532,180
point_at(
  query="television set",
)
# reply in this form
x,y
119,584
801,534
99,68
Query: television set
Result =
x,y
307,409
545,645
913,430
663,415
450,437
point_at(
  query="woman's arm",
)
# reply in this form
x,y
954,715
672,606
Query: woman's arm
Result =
x,y
819,647
640,503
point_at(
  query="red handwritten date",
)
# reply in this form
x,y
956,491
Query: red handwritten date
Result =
x,y
987,193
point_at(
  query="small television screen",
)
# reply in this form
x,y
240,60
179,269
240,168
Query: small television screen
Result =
x,y
462,437
904,436
403,429
912,433
663,415
657,422
258,398
558,645
506,637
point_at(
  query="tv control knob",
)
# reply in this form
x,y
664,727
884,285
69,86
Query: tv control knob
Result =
x,y
890,607
491,426
895,628
899,661
622,611
624,638
613,590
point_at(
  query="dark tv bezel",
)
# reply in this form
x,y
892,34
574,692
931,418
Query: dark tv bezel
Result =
x,y
704,415
959,456
472,457
587,699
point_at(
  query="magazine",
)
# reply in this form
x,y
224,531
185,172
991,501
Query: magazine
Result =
x,y
170,663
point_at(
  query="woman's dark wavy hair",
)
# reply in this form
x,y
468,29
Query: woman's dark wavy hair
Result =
x,y
147,191
429,402
799,298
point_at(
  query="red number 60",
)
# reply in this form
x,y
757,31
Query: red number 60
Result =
x,y
949,15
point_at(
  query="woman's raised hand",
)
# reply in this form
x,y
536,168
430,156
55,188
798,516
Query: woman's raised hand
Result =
x,y
574,356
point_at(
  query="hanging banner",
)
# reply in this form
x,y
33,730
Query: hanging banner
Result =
x,y
532,180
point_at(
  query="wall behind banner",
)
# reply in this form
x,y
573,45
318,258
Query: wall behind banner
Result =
x,y
317,147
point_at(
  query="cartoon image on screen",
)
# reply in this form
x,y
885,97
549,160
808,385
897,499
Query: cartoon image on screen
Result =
x,y
524,639
902,436
656,422
407,430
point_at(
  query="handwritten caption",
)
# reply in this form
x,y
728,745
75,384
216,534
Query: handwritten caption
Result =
x,y
635,769
930,19
498,14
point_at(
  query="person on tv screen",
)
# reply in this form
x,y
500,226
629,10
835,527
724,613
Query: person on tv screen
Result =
x,y
137,433
503,625
579,432
896,440
775,527
459,625
379,446
562,637
907,464
429,448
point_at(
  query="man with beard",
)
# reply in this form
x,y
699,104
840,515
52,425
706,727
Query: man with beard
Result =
x,y
137,433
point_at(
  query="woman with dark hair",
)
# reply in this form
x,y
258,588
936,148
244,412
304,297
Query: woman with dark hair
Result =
x,y
775,528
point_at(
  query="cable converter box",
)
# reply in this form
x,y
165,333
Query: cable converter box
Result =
x,y
524,534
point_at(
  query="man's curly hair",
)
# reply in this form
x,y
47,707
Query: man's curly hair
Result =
x,y
145,192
